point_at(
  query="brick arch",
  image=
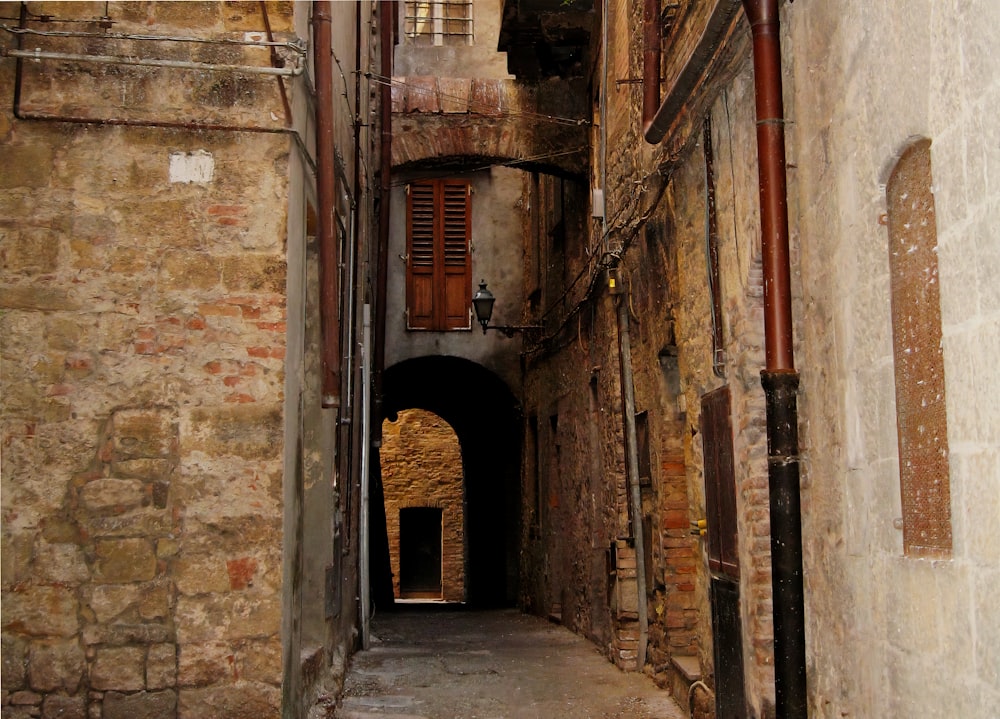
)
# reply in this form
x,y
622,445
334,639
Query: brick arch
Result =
x,y
454,122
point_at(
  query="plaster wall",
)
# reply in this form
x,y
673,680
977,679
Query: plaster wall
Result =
x,y
498,211
920,635
479,59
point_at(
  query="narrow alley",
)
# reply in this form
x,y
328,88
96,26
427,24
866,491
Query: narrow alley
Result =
x,y
428,661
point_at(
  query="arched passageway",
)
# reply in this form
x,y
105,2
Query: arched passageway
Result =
x,y
486,418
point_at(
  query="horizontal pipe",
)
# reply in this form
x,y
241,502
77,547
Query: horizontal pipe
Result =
x,y
295,46
154,62
715,30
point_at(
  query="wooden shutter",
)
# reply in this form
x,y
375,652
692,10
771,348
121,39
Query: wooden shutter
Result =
x,y
439,279
420,251
456,279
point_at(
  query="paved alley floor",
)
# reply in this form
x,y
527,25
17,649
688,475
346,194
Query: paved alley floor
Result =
x,y
463,664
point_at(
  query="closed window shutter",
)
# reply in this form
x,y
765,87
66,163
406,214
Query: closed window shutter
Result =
x,y
439,284
420,251
457,284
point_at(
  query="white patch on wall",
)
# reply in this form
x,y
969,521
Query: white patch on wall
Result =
x,y
196,167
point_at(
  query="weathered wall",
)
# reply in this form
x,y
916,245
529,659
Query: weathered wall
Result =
x,y
656,223
422,467
497,257
929,71
144,324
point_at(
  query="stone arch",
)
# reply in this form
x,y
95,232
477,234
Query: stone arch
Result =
x,y
453,122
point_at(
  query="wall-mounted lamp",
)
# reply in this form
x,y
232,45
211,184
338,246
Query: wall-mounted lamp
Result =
x,y
482,303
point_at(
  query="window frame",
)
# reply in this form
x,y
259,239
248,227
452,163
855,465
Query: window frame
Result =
x,y
432,19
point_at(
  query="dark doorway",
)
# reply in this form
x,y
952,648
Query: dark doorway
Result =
x,y
723,554
420,553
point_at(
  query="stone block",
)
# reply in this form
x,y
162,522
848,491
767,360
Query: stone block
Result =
x,y
13,653
60,563
118,669
143,468
144,434
112,494
242,700
124,560
261,661
27,166
247,431
161,666
155,600
206,663
108,601
254,273
122,634
143,705
209,618
32,251
41,611
38,297
142,522
184,270
200,574
57,706
56,665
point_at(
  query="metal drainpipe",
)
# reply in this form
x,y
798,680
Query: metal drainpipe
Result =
x,y
329,299
387,17
779,378
651,32
632,468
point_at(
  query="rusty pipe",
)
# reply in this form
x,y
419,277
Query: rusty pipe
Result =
x,y
651,32
763,16
779,378
328,269
387,24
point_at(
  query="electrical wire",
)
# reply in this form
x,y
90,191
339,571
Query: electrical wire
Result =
x,y
514,162
480,107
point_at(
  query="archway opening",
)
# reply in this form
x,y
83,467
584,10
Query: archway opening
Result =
x,y
421,463
486,419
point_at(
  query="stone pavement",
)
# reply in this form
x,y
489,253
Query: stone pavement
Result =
x,y
462,664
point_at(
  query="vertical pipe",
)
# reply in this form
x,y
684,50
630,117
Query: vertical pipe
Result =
x,y
364,552
632,470
329,300
712,239
651,32
387,18
779,378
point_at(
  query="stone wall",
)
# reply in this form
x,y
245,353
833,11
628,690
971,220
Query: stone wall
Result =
x,y
143,317
422,467
902,623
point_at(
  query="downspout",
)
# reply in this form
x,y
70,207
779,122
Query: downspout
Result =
x,y
779,378
328,270
632,471
651,31
387,21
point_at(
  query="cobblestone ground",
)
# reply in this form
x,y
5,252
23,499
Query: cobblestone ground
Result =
x,y
460,664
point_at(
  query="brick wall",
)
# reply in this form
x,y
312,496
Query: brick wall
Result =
x,y
422,467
